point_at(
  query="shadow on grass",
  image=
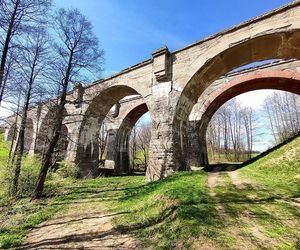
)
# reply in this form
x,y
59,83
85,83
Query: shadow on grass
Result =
x,y
241,202
80,219
75,238
172,210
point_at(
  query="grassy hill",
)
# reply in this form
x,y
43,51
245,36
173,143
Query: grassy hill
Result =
x,y
256,207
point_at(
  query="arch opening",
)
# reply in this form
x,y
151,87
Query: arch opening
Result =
x,y
13,134
275,80
241,130
139,143
119,150
106,110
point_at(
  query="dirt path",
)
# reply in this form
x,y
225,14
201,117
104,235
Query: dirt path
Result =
x,y
83,226
236,180
242,241
211,183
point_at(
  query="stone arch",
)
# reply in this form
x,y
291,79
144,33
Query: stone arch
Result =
x,y
45,133
121,157
13,133
267,79
281,45
87,153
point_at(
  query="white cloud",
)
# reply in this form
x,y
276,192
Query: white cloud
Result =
x,y
254,99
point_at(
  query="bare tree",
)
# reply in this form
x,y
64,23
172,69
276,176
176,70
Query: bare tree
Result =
x,y
232,129
102,142
143,142
282,110
77,50
248,123
17,17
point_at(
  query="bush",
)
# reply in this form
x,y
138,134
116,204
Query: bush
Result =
x,y
29,174
67,169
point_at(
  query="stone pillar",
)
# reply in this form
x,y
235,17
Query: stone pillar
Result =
x,y
34,137
78,90
203,123
161,163
161,106
110,156
73,130
6,133
122,154
193,147
83,148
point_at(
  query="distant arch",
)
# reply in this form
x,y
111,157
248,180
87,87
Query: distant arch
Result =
x,y
87,155
45,134
122,138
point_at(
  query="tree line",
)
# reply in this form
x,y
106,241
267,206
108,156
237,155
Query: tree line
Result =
x,y
44,50
233,129
139,144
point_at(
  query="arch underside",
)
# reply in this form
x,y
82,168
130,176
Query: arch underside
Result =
x,y
45,133
121,148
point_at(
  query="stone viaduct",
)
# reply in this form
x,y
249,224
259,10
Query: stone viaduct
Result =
x,y
179,89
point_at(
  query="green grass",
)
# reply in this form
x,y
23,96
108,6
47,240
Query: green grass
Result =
x,y
172,213
268,202
178,212
256,208
279,171
4,150
17,216
21,216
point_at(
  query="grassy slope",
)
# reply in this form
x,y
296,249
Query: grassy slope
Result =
x,y
179,213
279,171
4,150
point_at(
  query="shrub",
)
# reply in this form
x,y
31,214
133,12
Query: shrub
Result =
x,y
67,169
29,175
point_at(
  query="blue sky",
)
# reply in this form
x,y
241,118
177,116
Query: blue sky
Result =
x,y
129,30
